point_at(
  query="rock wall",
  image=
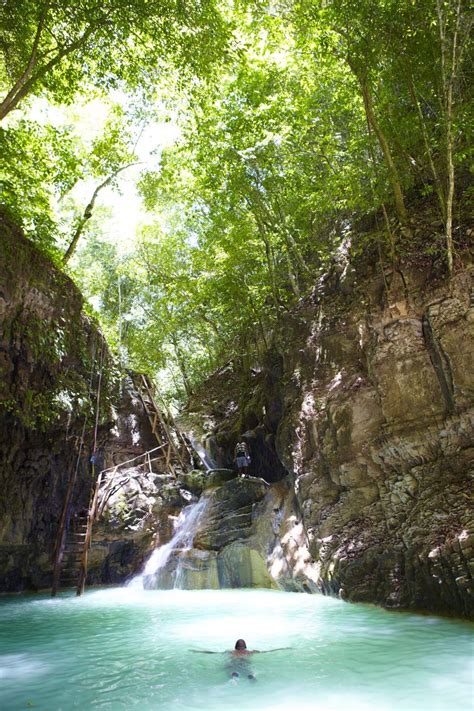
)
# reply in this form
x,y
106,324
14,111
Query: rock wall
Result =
x,y
51,358
50,364
49,351
370,407
248,534
380,437
359,419
137,515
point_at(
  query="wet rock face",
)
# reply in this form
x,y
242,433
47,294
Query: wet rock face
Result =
x,y
47,350
33,478
381,440
230,407
229,513
137,519
249,534
367,399
50,354
141,498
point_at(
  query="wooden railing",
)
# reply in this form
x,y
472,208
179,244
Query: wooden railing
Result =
x,y
177,454
103,490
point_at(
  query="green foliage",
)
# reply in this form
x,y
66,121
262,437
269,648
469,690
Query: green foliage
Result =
x,y
113,147
333,110
96,269
38,164
59,48
319,114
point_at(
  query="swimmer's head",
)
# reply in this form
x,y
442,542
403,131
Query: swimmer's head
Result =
x,y
240,644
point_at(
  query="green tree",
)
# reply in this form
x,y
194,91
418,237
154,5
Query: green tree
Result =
x,y
410,61
59,48
39,163
112,152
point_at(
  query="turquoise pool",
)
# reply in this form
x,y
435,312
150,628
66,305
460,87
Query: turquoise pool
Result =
x,y
126,648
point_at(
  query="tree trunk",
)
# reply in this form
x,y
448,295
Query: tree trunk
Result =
x,y
434,172
392,170
448,79
387,154
292,278
270,265
28,79
87,214
182,366
8,102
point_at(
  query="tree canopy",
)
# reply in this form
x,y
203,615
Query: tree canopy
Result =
x,y
295,121
57,47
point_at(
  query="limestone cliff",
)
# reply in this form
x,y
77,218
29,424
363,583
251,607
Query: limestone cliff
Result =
x,y
367,400
49,363
359,420
248,534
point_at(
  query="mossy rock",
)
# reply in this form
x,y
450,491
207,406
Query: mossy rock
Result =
x,y
217,477
194,481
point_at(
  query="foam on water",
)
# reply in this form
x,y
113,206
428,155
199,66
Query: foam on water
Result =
x,y
20,667
185,529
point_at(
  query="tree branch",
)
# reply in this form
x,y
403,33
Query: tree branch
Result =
x,y
87,214
29,67
19,92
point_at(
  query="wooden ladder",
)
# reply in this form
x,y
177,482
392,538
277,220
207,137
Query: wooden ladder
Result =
x,y
177,452
92,516
73,552
69,545
74,539
74,542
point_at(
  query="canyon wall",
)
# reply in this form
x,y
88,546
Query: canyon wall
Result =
x,y
366,397
359,418
50,356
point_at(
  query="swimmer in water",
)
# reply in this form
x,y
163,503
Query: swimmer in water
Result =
x,y
239,661
240,649
239,664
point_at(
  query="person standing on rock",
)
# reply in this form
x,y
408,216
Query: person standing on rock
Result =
x,y
242,457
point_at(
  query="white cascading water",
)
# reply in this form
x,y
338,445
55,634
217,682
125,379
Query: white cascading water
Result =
x,y
203,455
185,528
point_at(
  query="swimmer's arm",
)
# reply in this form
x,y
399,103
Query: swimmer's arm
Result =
x,y
204,651
266,651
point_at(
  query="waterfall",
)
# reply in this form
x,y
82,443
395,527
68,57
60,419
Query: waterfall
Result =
x,y
182,540
204,456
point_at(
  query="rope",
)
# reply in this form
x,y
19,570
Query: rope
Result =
x,y
97,404
83,432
